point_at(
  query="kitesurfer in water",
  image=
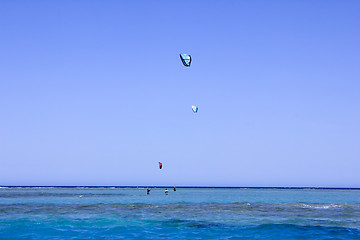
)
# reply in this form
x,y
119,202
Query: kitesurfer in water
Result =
x,y
148,191
174,189
166,191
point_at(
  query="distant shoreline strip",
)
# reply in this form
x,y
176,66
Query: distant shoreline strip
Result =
x,y
206,187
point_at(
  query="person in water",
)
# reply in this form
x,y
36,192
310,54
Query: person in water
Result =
x,y
174,189
148,191
166,192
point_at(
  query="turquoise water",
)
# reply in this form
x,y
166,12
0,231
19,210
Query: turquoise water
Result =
x,y
188,213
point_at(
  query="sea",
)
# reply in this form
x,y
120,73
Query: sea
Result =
x,y
187,213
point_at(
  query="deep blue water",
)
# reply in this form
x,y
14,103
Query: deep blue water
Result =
x,y
188,213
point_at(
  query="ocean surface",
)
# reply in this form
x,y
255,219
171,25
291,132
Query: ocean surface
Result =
x,y
188,213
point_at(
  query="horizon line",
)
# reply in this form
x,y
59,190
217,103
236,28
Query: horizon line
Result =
x,y
166,186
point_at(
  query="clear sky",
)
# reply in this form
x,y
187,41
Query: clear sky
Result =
x,y
94,93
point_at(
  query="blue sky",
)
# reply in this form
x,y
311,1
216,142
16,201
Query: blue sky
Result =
x,y
94,93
